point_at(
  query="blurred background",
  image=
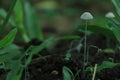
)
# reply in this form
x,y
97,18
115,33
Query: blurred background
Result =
x,y
61,16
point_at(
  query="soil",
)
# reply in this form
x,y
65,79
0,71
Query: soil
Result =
x,y
50,68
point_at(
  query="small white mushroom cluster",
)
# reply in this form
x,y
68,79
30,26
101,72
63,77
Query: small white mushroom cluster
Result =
x,y
88,16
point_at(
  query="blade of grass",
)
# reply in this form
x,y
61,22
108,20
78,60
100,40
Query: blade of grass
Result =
x,y
33,29
3,15
19,17
13,2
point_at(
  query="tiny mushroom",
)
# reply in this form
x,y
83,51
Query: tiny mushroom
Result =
x,y
86,16
110,15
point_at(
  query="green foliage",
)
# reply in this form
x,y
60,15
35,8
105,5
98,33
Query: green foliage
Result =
x,y
67,74
32,50
8,39
109,29
9,53
107,64
18,12
98,30
117,5
115,27
19,18
13,2
30,29
11,58
31,22
26,20
3,15
16,71
104,65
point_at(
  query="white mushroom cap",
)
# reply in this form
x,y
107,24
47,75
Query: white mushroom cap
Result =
x,y
110,15
86,16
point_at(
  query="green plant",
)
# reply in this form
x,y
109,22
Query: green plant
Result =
x,y
67,74
23,22
13,55
102,66
19,18
31,22
27,24
8,39
117,5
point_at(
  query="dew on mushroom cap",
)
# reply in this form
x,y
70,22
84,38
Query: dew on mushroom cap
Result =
x,y
86,16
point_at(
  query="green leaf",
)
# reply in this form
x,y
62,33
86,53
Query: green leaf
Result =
x,y
102,23
117,5
32,22
8,39
106,65
108,50
19,18
18,12
11,48
67,74
100,27
7,57
115,27
9,53
98,30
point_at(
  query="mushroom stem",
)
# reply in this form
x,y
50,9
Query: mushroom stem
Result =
x,y
85,49
85,43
